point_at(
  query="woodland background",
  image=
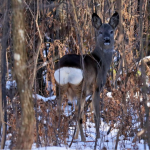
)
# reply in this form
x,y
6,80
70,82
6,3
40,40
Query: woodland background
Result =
x,y
34,34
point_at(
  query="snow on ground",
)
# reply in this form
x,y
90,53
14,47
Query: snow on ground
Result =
x,y
10,84
107,141
50,148
43,98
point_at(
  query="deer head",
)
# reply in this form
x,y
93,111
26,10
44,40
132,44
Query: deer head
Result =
x,y
105,32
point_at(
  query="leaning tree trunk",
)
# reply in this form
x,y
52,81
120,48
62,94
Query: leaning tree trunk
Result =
x,y
25,136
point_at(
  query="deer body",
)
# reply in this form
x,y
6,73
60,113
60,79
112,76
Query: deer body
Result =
x,y
80,76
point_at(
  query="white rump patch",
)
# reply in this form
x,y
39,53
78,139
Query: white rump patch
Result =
x,y
66,75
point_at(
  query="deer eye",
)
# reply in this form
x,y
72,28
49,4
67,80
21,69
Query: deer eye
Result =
x,y
111,32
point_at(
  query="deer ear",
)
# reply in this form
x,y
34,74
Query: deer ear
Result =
x,y
96,21
114,20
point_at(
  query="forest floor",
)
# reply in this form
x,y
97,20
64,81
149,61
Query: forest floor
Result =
x,y
106,142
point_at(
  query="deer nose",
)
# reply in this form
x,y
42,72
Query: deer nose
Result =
x,y
106,39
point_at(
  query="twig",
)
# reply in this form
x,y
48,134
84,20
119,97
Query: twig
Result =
x,y
38,47
73,134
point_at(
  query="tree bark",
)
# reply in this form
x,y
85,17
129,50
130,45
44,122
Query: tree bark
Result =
x,y
1,108
3,103
25,136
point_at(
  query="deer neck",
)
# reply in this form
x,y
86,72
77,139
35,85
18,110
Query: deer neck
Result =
x,y
105,56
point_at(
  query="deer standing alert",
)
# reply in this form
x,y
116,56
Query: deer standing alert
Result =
x,y
79,76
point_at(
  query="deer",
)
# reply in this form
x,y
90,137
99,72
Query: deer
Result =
x,y
81,75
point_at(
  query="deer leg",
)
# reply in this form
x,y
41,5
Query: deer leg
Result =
x,y
58,113
96,100
80,117
77,125
59,95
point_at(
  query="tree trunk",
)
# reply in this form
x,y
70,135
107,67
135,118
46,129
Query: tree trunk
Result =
x,y
3,103
1,108
25,137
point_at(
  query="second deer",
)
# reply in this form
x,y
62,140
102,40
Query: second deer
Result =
x,y
81,75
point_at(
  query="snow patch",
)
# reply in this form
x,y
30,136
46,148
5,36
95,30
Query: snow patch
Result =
x,y
10,84
45,63
50,148
44,54
109,94
37,96
148,104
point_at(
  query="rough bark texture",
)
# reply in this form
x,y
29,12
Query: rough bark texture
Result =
x,y
25,137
